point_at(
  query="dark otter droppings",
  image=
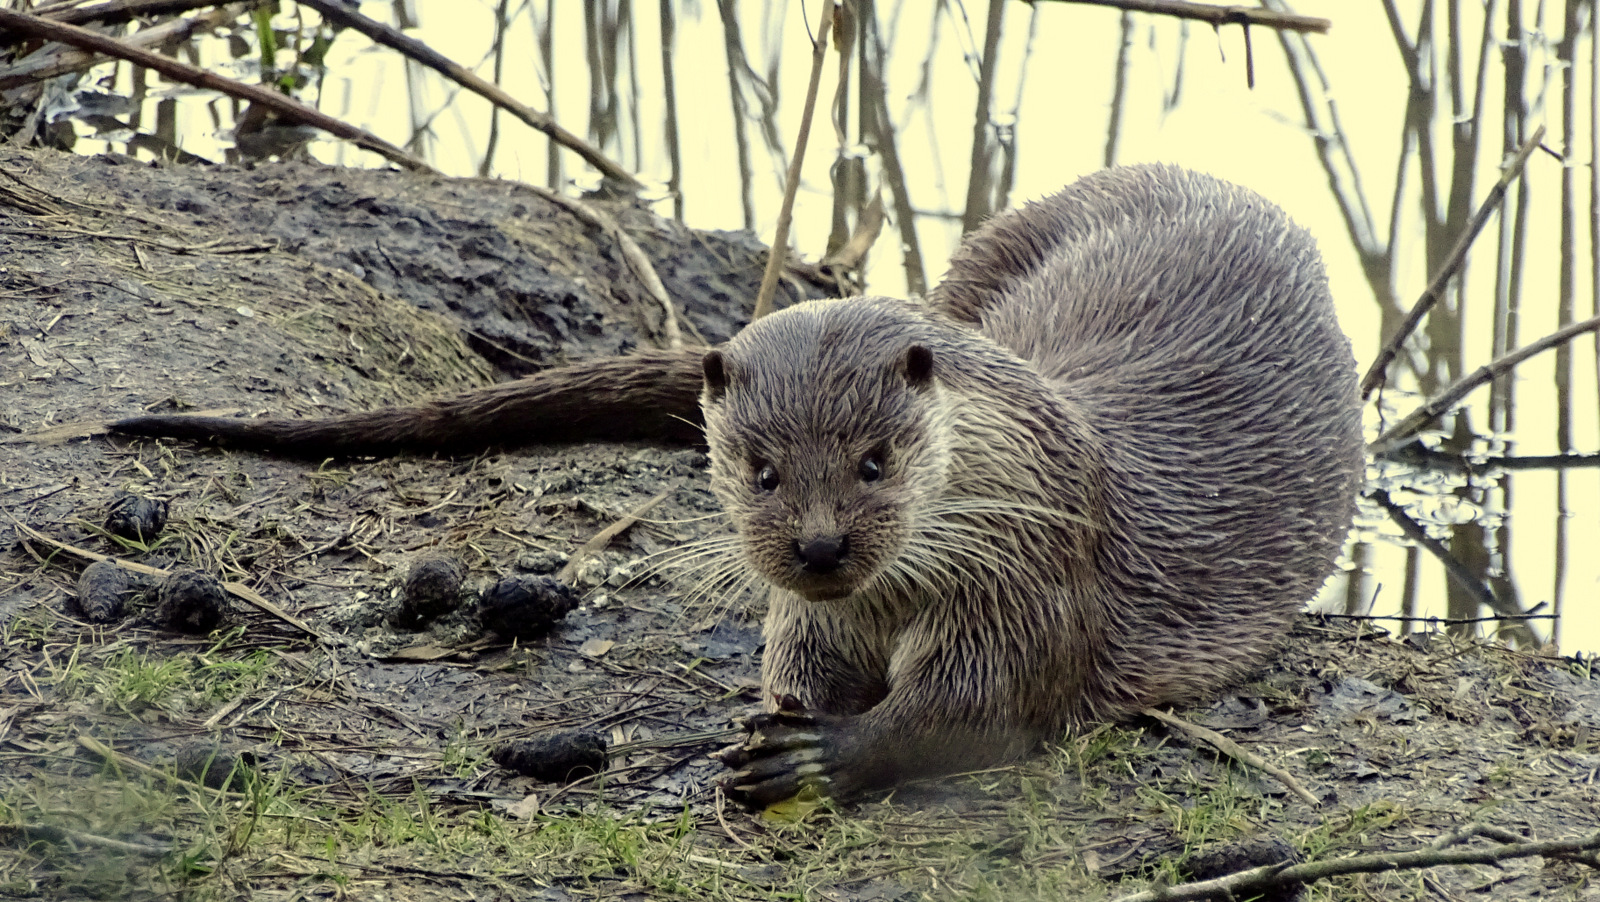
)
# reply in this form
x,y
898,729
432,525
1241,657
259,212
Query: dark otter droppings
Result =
x,y
1244,854
136,518
191,601
432,588
102,589
526,607
210,766
555,757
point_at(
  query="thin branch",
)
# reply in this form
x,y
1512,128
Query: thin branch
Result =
x,y
780,238
1008,173
674,151
1459,389
1243,883
626,15
1416,455
1444,621
286,107
1375,373
1457,570
546,40
336,12
116,12
883,141
1218,15
1119,88
1513,221
979,195
500,25
1594,176
731,47
1234,750
1338,164
39,67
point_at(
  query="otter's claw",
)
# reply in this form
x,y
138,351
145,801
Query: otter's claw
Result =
x,y
784,752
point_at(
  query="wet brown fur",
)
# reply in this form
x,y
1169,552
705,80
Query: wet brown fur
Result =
x,y
1132,460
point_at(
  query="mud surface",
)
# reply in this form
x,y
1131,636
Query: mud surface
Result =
x,y
298,289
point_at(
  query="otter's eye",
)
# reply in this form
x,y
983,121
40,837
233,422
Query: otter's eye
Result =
x,y
767,478
872,467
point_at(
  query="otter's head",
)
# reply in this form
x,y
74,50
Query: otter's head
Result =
x,y
827,433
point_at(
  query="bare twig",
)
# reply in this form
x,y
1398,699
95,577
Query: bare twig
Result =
x,y
1453,393
1240,884
1513,221
1458,571
980,196
1119,88
603,538
544,36
1234,750
674,150
284,106
337,12
1320,109
1414,454
501,22
1217,15
875,113
1008,135
1443,621
118,11
672,331
735,53
1594,177
1430,296
42,66
780,238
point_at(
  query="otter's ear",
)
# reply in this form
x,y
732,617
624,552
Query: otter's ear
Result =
x,y
716,369
918,366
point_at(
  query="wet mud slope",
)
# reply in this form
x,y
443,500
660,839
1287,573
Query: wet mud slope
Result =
x,y
331,735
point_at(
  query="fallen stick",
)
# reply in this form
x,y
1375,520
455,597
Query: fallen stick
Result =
x,y
1243,883
1234,750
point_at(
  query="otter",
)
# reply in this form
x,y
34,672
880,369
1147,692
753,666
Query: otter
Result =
x,y
1101,467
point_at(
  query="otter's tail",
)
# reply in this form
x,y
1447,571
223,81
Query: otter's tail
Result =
x,y
649,395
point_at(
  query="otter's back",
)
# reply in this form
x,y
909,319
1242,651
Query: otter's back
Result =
x,y
1187,321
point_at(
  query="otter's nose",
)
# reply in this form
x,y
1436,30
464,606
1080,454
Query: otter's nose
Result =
x,y
822,556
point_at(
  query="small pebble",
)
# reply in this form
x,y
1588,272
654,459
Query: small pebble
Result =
x,y
102,590
136,518
525,607
191,601
555,757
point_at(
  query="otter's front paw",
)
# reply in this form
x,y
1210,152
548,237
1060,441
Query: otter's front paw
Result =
x,y
783,753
